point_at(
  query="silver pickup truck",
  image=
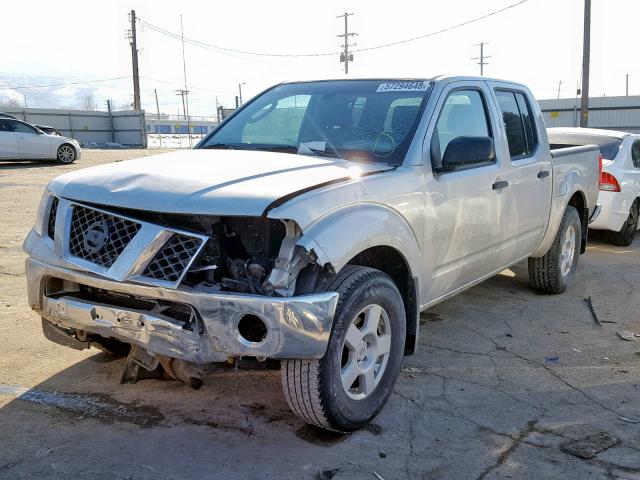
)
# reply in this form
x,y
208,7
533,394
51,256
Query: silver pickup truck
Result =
x,y
312,226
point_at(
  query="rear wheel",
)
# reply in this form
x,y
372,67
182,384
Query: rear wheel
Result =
x,y
349,386
553,271
66,154
627,233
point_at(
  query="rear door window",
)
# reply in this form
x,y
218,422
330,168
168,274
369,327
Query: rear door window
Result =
x,y
512,123
4,126
527,122
635,153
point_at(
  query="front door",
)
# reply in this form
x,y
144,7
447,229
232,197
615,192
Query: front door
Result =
x,y
8,141
31,142
465,209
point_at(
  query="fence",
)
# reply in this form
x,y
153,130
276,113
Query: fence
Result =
x,y
613,113
125,127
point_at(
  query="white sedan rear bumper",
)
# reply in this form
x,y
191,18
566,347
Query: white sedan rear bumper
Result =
x,y
615,210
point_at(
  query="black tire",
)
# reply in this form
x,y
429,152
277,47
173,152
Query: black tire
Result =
x,y
313,388
545,273
66,154
627,233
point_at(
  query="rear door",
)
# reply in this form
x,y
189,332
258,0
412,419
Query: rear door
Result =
x,y
465,211
31,142
8,141
529,174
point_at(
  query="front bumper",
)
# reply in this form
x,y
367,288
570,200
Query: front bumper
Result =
x,y
297,327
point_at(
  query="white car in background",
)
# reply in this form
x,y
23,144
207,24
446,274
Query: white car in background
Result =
x,y
21,141
619,195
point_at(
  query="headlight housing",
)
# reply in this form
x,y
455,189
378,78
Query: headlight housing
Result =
x,y
42,215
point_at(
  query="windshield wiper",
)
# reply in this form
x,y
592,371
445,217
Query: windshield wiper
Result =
x,y
325,153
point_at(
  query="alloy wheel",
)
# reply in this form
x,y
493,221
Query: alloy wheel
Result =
x,y
365,352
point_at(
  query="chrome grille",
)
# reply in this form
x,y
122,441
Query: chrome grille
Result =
x,y
53,211
99,237
173,258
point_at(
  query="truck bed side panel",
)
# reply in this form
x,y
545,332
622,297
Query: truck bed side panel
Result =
x,y
575,169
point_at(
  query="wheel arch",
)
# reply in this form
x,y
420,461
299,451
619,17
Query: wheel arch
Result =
x,y
579,201
379,237
390,261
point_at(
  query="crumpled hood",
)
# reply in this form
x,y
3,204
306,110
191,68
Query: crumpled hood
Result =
x,y
211,182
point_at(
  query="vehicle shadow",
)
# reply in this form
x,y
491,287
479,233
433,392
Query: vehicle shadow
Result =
x,y
235,406
20,164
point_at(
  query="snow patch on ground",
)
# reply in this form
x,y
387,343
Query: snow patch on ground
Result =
x,y
171,140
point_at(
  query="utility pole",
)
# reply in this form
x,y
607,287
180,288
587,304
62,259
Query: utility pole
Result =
x,y
627,87
111,126
345,56
559,88
158,115
186,92
482,57
183,94
586,54
134,58
240,91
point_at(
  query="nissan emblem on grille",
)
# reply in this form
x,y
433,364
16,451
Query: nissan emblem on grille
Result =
x,y
99,237
95,237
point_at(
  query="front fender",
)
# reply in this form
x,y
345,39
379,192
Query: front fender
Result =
x,y
341,235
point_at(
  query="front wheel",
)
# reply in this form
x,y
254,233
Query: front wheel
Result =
x,y
347,387
66,154
627,233
552,272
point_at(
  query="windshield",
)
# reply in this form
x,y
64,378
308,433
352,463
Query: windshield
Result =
x,y
358,120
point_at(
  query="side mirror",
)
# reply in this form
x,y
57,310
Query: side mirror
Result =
x,y
465,151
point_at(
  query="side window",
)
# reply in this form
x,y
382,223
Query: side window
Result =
x,y
463,115
512,123
635,153
20,127
528,122
4,126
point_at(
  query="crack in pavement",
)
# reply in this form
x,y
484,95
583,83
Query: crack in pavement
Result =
x,y
549,370
505,454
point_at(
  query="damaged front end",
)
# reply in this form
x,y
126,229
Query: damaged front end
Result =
x,y
193,288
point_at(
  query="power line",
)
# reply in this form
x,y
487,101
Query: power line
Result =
x,y
223,50
67,84
447,29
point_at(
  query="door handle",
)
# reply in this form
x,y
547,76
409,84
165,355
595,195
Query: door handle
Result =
x,y
543,173
500,184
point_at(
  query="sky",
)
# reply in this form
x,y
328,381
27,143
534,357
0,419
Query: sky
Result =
x,y
538,43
